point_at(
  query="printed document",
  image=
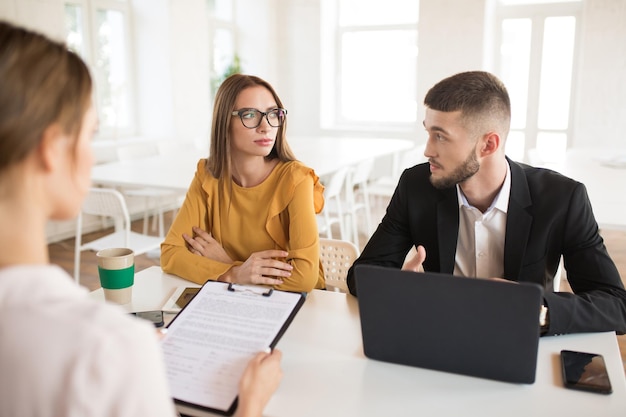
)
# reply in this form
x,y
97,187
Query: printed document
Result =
x,y
209,344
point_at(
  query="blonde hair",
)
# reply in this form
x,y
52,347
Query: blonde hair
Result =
x,y
41,83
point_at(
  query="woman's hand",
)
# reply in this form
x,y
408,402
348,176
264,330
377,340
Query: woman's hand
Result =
x,y
258,382
260,268
203,244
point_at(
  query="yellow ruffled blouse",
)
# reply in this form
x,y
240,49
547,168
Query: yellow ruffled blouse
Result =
x,y
279,214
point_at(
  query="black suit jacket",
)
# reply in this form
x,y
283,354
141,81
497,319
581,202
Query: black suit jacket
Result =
x,y
549,215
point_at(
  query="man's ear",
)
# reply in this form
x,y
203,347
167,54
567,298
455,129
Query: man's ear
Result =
x,y
51,147
490,143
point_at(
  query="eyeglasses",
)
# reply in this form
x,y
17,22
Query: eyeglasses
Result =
x,y
251,118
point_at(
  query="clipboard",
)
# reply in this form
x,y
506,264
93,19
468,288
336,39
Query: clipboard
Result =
x,y
210,342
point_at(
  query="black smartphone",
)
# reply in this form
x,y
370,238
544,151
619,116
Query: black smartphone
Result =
x,y
156,316
585,371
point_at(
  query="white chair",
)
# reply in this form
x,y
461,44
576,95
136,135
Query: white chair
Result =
x,y
357,197
337,256
108,202
384,186
155,200
333,212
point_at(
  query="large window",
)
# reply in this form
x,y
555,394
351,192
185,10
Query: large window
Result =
x,y
370,63
99,31
537,48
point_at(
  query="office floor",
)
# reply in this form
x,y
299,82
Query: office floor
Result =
x,y
62,254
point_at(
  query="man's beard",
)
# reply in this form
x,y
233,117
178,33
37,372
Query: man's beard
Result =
x,y
467,169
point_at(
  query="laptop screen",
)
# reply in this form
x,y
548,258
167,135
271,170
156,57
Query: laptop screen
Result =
x,y
476,327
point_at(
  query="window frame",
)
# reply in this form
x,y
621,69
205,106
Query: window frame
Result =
x,y
216,24
538,13
90,9
331,70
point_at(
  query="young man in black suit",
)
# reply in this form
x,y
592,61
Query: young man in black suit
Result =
x,y
473,212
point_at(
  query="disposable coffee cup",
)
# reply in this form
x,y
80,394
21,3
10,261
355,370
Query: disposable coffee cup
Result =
x,y
116,268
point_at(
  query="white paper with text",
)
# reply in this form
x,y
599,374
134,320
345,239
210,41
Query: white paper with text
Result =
x,y
208,346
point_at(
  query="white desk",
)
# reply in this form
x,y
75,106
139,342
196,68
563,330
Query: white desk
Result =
x,y
606,183
327,154
175,171
326,373
171,172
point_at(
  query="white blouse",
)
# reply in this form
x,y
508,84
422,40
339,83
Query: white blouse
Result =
x,y
63,354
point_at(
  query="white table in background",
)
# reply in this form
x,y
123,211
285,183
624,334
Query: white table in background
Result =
x,y
603,171
326,373
171,172
175,171
327,154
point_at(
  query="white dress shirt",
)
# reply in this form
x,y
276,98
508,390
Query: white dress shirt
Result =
x,y
480,244
63,354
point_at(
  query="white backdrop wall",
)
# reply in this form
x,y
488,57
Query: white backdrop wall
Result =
x,y
258,40
42,15
299,64
451,39
153,50
601,100
189,46
171,60
280,41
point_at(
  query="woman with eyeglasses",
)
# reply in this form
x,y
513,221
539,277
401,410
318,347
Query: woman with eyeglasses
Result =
x,y
250,213
62,353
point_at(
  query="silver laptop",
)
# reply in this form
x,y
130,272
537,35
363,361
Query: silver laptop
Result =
x,y
475,327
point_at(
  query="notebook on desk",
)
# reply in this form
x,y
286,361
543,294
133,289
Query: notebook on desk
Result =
x,y
475,327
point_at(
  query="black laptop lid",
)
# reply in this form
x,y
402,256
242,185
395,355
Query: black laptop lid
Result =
x,y
476,327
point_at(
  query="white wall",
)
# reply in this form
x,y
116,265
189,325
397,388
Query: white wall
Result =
x,y
451,39
280,41
189,46
45,16
601,100
155,106
444,49
170,57
258,40
299,65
